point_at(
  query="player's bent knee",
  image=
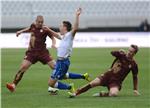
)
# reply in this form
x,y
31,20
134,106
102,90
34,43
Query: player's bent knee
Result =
x,y
52,64
50,84
113,92
95,82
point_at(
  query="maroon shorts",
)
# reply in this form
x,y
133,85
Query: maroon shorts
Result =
x,y
108,81
35,56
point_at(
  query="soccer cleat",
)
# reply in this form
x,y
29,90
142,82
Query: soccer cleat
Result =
x,y
10,87
71,95
72,91
87,77
53,91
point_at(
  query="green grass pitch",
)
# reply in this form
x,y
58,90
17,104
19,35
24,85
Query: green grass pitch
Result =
x,y
32,91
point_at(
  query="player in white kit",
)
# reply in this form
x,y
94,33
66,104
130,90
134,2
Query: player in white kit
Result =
x,y
63,53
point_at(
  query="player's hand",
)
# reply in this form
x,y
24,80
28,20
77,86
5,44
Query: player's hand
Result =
x,y
122,51
136,93
54,47
18,33
78,12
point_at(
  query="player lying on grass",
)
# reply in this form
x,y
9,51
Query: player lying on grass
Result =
x,y
113,78
63,53
37,49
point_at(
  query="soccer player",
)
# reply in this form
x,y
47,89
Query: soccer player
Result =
x,y
114,77
63,53
37,49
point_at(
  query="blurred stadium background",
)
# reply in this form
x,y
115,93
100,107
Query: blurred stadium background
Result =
x,y
99,16
104,23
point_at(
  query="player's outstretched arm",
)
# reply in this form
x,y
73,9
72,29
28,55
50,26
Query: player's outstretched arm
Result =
x,y
135,80
76,23
118,54
53,33
22,31
135,85
53,42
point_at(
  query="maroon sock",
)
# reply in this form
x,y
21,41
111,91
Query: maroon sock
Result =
x,y
18,77
83,89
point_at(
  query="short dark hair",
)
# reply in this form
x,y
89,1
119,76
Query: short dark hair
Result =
x,y
68,25
135,47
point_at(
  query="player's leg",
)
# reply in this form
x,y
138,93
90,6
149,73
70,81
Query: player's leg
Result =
x,y
51,88
24,66
57,84
51,64
113,91
70,75
51,82
46,58
58,74
92,84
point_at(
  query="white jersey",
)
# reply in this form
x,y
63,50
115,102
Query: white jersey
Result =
x,y
65,47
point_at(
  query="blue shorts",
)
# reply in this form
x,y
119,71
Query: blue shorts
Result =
x,y
61,69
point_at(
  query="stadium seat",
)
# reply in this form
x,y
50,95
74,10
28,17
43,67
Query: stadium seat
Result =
x,y
100,13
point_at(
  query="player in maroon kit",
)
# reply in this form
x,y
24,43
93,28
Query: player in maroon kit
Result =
x,y
113,78
37,49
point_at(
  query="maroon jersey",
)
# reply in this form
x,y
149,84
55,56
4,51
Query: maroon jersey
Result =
x,y
38,37
120,68
37,47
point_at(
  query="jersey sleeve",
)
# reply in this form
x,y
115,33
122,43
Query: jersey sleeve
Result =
x,y
31,26
118,54
71,35
134,68
49,33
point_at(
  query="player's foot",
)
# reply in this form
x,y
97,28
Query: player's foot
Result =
x,y
11,87
87,77
53,91
96,95
72,91
101,94
71,95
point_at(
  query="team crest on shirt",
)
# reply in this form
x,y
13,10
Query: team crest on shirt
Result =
x,y
33,29
130,66
41,30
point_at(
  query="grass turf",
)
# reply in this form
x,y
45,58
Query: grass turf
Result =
x,y
32,91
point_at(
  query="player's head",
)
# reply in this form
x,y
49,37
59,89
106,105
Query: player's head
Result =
x,y
133,49
65,27
39,21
